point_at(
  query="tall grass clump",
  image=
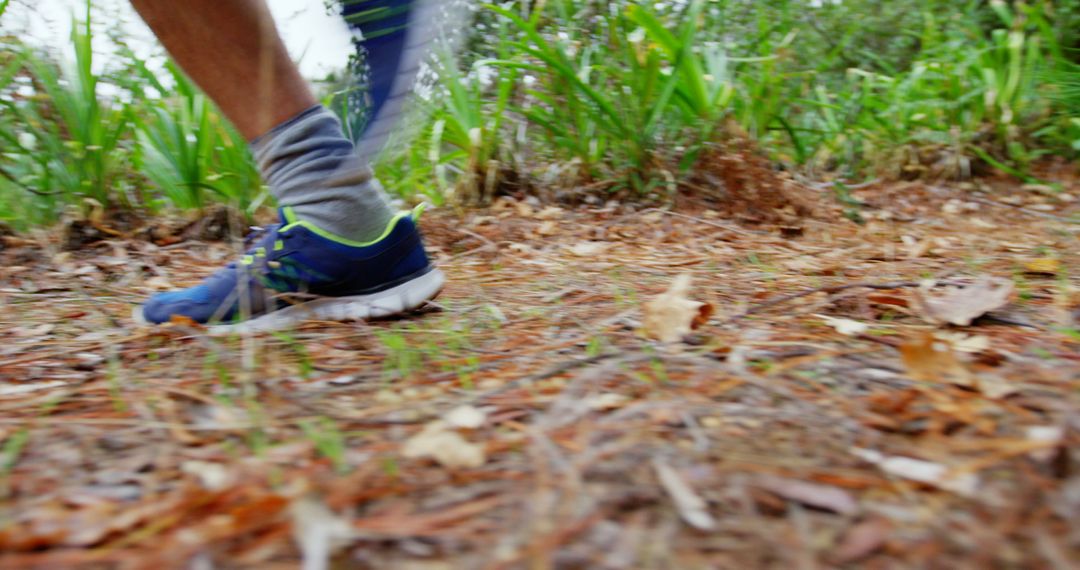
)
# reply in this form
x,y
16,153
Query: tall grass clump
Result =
x,y
64,143
577,93
623,95
190,153
970,99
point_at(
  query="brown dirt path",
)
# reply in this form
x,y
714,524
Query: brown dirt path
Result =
x,y
769,439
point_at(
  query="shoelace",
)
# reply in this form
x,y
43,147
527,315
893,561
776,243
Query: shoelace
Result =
x,y
257,244
255,232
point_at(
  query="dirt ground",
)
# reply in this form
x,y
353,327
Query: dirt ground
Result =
x,y
821,417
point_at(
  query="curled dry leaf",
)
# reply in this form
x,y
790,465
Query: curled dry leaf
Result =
x,y
672,315
550,213
962,305
466,417
846,327
159,283
606,401
548,228
212,476
439,442
995,387
1052,436
961,342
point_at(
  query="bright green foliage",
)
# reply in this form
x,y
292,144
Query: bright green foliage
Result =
x,y
966,96
610,95
557,95
190,152
626,94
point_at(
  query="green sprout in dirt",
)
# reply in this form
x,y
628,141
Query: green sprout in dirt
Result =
x,y
402,358
328,440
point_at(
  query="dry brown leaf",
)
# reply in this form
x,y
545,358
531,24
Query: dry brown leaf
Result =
x,y
466,417
962,305
861,541
1052,436
931,360
846,327
606,401
960,342
159,283
589,248
824,497
439,442
212,476
916,248
887,299
1043,266
995,387
672,315
548,228
550,213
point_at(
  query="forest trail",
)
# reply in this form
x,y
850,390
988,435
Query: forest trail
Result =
x,y
824,414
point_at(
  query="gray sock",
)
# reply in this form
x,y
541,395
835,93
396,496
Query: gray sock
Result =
x,y
311,167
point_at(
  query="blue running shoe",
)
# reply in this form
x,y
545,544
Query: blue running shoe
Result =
x,y
296,272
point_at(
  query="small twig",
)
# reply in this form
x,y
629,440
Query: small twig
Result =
x,y
60,355
829,290
706,222
1027,211
488,245
556,370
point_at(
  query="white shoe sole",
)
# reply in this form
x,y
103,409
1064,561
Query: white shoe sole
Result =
x,y
394,301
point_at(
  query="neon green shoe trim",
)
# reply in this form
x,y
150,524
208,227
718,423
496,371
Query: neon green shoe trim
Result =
x,y
418,211
290,217
279,245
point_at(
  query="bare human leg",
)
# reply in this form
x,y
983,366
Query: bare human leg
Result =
x,y
232,50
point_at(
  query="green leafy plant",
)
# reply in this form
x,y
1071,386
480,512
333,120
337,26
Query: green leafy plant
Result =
x,y
608,99
472,126
189,151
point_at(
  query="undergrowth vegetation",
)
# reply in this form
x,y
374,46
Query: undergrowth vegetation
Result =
x,y
609,96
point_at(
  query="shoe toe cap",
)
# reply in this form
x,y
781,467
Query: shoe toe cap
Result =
x,y
191,303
